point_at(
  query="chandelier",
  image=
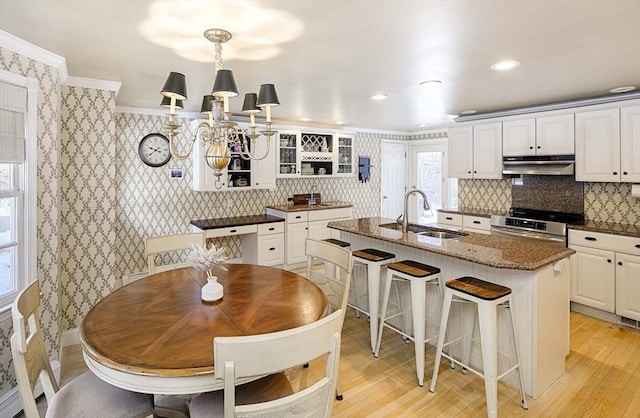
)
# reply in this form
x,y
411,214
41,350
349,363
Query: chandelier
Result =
x,y
220,133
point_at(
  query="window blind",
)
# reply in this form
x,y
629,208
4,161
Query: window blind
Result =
x,y
13,107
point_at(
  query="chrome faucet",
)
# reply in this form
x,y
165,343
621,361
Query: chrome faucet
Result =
x,y
312,200
404,218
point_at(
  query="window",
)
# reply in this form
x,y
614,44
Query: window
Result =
x,y
17,185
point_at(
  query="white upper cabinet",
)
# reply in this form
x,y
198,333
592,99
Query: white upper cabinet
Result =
x,y
598,145
519,137
303,153
547,135
487,151
263,172
460,150
630,144
555,135
476,151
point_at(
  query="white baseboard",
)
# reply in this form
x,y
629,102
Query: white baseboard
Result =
x,y
70,337
597,313
11,404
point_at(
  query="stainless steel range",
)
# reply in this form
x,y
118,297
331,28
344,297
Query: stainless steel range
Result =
x,y
535,225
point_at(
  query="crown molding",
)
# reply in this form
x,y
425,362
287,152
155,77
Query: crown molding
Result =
x,y
35,52
94,83
155,112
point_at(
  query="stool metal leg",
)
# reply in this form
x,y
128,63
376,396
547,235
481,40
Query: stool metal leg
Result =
x,y
487,319
383,313
444,317
468,322
418,301
373,275
514,347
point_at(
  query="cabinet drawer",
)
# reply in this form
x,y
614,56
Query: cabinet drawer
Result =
x,y
445,218
271,249
271,228
476,222
619,243
295,217
330,214
233,230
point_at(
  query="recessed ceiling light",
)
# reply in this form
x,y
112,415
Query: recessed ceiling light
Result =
x,y
379,96
505,65
429,83
422,125
468,112
305,119
622,89
340,123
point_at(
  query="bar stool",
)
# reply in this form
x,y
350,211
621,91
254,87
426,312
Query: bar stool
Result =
x,y
373,260
487,296
418,275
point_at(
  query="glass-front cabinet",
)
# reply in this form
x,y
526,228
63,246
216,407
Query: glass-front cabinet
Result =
x,y
307,153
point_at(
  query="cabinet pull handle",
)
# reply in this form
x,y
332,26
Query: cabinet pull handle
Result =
x,y
272,248
298,217
637,245
476,222
449,218
590,238
619,263
271,229
233,231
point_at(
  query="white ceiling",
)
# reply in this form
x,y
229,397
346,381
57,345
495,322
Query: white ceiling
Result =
x,y
334,54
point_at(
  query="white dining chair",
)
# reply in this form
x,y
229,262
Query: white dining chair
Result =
x,y
269,354
334,282
168,243
84,396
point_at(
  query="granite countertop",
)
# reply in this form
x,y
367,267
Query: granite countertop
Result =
x,y
488,250
304,207
484,213
629,230
215,223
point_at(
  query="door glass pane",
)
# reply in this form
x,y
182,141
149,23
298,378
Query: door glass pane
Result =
x,y
429,180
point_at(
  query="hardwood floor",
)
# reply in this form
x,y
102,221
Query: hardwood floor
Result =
x,y
602,379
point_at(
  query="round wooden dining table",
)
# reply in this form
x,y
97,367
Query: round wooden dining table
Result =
x,y
156,335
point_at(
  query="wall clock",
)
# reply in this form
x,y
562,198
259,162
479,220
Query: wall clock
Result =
x,y
154,150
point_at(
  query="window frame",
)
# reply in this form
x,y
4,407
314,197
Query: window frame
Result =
x,y
27,195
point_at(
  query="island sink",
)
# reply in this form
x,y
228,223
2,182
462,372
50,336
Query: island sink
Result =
x,y
426,231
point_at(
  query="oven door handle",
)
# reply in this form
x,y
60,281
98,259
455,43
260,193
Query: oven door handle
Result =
x,y
524,234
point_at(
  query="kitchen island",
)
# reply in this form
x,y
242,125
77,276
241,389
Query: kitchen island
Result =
x,y
537,274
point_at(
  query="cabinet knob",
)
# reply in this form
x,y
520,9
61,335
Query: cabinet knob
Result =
x,y
531,147
539,147
469,172
619,263
615,173
608,260
475,172
624,173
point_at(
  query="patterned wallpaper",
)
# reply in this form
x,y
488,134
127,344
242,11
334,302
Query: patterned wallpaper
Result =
x,y
611,202
88,201
149,203
48,167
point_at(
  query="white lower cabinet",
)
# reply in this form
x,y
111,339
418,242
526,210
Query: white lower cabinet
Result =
x,y
628,286
301,225
266,247
468,223
593,278
605,272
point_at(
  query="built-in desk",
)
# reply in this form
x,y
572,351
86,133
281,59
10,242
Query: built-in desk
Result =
x,y
262,236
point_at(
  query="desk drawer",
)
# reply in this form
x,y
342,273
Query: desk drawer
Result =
x,y
271,228
271,249
229,231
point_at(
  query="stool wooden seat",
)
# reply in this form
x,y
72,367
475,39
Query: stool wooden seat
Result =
x,y
371,254
488,297
374,260
418,275
337,242
479,288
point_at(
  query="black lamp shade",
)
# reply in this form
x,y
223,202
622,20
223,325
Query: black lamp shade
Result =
x,y
249,105
175,86
166,102
224,85
268,96
207,106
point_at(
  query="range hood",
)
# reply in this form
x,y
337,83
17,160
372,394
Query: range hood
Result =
x,y
542,165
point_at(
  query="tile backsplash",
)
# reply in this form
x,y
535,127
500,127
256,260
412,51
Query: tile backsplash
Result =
x,y
554,193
